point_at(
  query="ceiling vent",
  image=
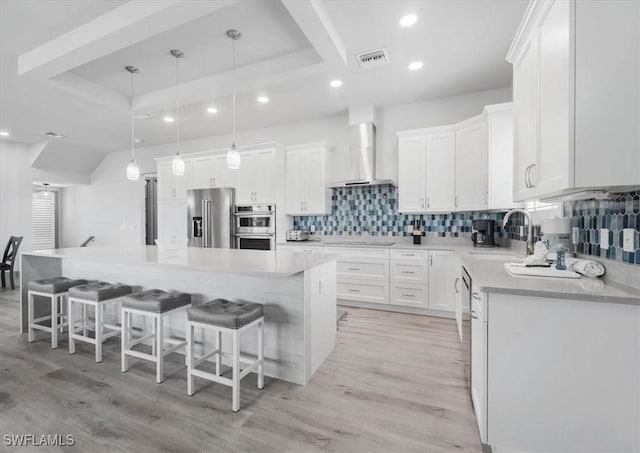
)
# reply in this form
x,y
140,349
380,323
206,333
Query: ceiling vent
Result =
x,y
373,59
53,135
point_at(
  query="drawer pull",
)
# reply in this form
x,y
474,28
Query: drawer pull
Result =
x,y
476,296
408,254
474,314
408,272
354,268
408,295
351,290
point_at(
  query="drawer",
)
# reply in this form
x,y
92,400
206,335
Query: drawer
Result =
x,y
374,292
358,252
409,254
409,295
410,271
299,248
362,269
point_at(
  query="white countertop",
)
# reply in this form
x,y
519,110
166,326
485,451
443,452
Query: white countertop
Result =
x,y
247,262
488,273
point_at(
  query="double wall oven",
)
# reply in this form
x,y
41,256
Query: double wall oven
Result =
x,y
255,227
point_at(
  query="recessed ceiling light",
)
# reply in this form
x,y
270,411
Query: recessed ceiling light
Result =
x,y
415,65
212,110
168,119
137,141
335,83
408,20
4,133
53,135
263,99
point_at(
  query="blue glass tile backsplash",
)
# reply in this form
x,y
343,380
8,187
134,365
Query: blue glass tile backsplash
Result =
x,y
373,210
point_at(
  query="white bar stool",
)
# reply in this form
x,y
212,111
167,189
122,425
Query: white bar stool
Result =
x,y
96,295
56,290
223,316
157,305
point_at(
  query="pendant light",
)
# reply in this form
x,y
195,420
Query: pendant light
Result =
x,y
233,156
44,193
177,164
133,171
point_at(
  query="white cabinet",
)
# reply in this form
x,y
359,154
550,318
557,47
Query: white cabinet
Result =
x,y
426,171
306,179
299,248
457,296
576,67
479,362
256,177
472,176
172,219
411,174
203,172
170,186
441,281
222,175
409,278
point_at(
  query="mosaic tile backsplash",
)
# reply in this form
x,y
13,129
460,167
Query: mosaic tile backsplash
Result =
x,y
613,214
373,210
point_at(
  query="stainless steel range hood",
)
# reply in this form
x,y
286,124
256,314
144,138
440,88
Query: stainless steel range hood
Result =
x,y
361,161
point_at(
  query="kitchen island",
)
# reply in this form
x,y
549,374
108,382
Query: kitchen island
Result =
x,y
298,292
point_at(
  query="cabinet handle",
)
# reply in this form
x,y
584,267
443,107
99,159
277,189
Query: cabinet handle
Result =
x,y
456,201
532,185
431,261
408,254
408,295
354,268
428,202
408,272
527,178
476,296
422,202
354,290
455,285
474,315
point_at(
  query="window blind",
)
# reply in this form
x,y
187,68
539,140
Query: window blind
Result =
x,y
44,221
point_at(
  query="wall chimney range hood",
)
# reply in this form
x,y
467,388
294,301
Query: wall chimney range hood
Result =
x,y
361,161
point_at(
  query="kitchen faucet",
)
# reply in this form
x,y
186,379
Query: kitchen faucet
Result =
x,y
529,227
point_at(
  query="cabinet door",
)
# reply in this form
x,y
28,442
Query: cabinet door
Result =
x,y
203,172
411,174
166,182
264,171
172,219
316,195
479,367
294,182
245,179
555,150
472,169
441,281
223,176
440,172
525,107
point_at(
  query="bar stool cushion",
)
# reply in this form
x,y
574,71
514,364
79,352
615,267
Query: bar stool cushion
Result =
x,y
98,291
224,313
156,300
54,285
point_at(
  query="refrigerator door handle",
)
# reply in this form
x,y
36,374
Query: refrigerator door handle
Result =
x,y
205,224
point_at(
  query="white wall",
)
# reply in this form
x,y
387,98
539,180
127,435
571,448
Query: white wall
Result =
x,y
16,194
112,208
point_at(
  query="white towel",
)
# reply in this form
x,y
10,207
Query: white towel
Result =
x,y
588,268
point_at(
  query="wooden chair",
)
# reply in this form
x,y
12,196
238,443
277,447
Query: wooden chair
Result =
x,y
9,259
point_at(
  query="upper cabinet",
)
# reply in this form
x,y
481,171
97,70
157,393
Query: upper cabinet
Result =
x,y
472,176
255,179
411,174
170,186
576,67
306,180
440,162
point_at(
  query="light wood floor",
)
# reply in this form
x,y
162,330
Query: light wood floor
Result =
x,y
394,383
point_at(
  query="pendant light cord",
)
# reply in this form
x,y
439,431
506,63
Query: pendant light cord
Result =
x,y
132,120
233,127
177,105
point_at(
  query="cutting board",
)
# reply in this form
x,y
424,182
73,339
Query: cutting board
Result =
x,y
517,269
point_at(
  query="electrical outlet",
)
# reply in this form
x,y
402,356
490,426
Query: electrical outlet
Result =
x,y
604,238
628,242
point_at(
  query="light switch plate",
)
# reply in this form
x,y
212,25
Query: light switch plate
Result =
x,y
604,238
628,243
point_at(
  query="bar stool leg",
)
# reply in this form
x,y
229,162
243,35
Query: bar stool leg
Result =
x,y
72,325
84,319
159,351
154,331
31,331
261,355
219,354
98,330
189,358
124,340
236,373
54,322
63,317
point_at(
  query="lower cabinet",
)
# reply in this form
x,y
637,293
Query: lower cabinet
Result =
x,y
441,281
409,278
479,361
409,295
174,219
374,291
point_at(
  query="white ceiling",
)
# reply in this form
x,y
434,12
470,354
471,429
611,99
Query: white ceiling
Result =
x,y
75,83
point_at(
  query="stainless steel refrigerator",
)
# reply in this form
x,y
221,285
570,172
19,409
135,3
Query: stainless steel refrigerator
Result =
x,y
211,218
